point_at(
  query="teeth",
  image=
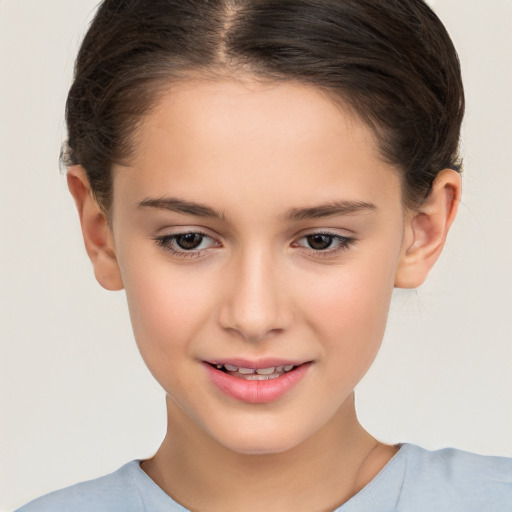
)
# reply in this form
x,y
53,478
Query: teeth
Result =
x,y
256,376
260,371
266,371
246,371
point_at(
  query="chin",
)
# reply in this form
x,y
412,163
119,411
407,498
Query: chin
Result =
x,y
262,441
259,446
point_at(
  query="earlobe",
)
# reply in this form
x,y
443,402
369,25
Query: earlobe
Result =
x,y
96,231
426,230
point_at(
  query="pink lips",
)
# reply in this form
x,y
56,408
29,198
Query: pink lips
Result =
x,y
255,391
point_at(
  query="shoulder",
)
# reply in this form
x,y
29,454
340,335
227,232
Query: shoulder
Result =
x,y
115,492
454,480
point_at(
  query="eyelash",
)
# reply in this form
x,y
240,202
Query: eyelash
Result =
x,y
167,243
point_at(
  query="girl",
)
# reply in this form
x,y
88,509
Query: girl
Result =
x,y
258,177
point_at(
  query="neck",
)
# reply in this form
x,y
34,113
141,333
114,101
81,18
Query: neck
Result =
x,y
321,473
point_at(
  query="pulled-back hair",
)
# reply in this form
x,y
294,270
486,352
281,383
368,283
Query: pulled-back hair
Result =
x,y
390,61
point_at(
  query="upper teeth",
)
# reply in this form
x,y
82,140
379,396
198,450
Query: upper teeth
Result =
x,y
259,371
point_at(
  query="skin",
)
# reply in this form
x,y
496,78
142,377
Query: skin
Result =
x,y
255,287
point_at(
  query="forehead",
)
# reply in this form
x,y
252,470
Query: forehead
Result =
x,y
282,115
260,141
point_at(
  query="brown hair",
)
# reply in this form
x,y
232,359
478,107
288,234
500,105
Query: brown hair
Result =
x,y
391,61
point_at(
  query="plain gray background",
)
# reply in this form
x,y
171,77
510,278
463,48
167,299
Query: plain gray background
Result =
x,y
75,398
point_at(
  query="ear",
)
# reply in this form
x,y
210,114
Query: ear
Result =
x,y
426,230
99,242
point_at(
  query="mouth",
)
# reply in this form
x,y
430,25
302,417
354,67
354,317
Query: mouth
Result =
x,y
256,382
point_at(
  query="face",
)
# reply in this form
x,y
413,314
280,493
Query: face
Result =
x,y
258,233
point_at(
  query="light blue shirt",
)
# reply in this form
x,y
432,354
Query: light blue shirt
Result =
x,y
414,480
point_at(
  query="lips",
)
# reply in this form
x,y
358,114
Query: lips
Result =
x,y
256,383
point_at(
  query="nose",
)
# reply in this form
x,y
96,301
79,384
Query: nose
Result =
x,y
254,304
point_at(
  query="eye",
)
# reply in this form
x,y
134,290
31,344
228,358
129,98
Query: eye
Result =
x,y
326,244
194,244
187,245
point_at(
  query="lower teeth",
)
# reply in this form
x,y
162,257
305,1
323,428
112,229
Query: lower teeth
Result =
x,y
254,376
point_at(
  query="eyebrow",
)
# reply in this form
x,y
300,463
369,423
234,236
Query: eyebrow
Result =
x,y
330,209
177,205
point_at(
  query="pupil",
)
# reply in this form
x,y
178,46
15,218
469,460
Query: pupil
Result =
x,y
189,240
319,242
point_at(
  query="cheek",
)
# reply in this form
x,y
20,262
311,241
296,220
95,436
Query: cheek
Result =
x,y
349,309
166,308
